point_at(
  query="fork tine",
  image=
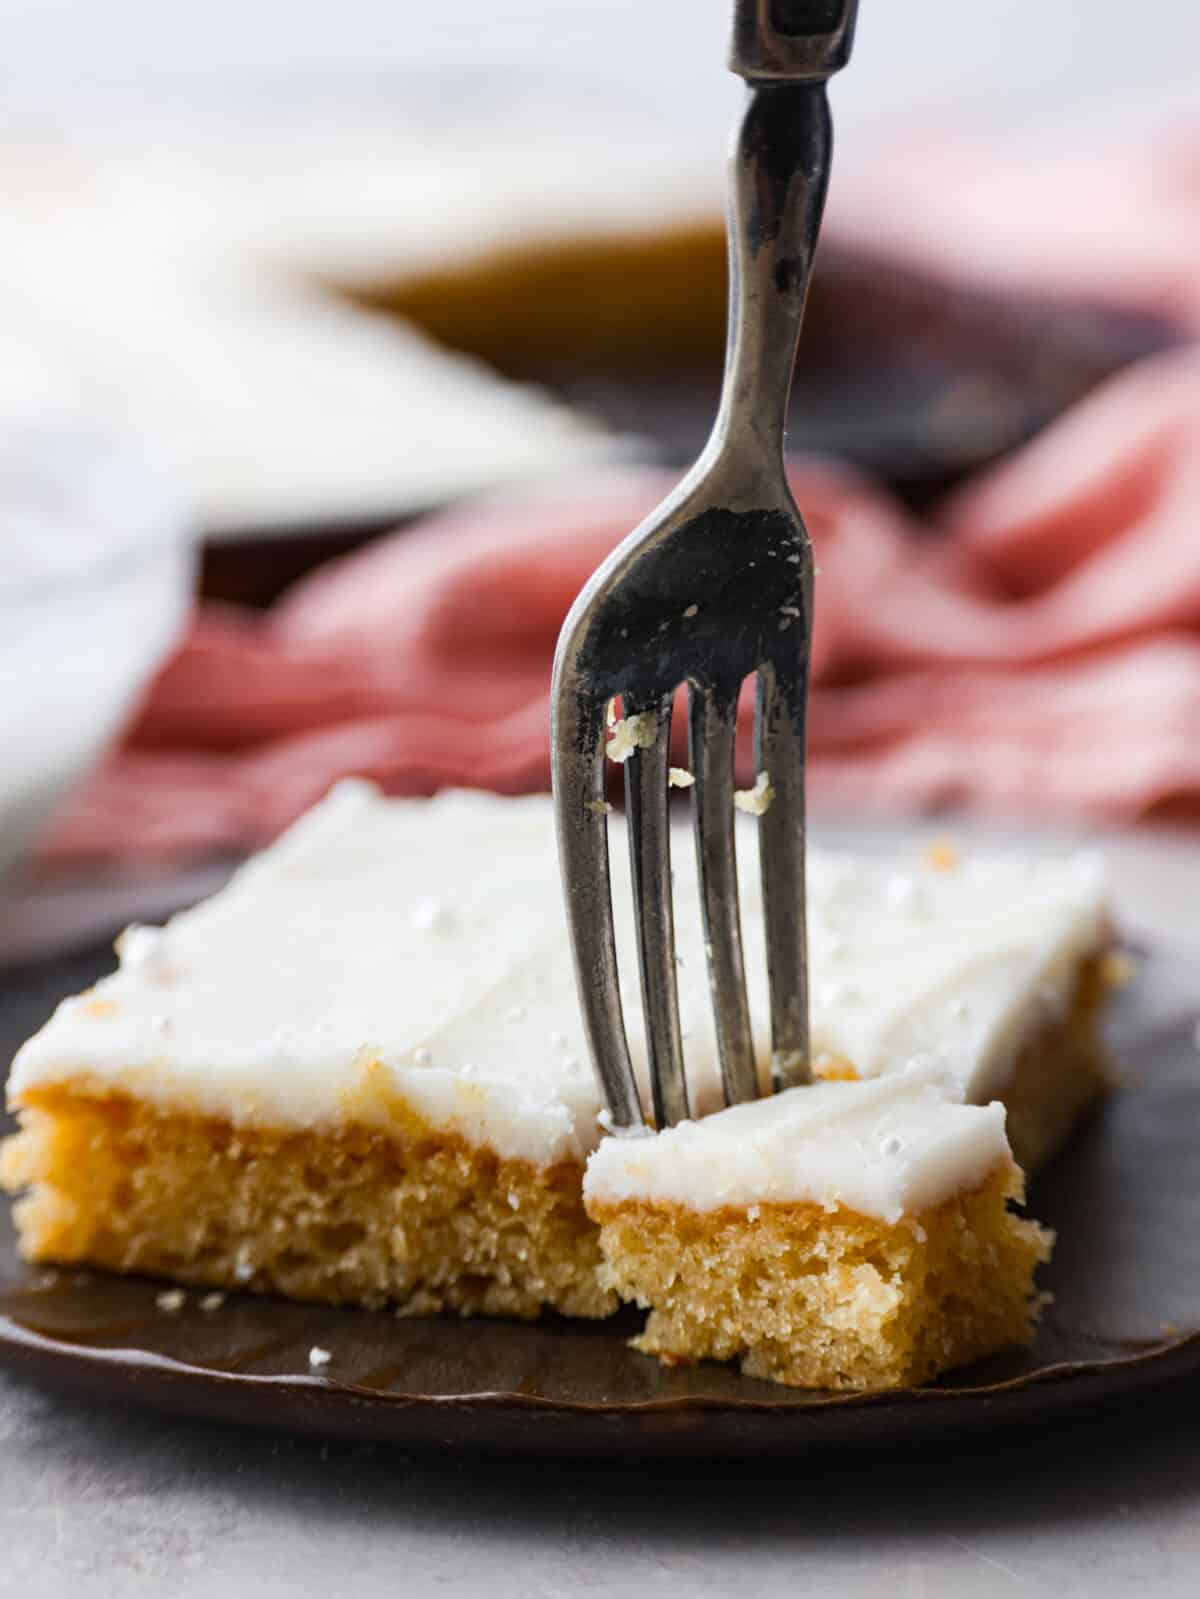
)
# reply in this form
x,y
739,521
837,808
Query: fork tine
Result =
x,y
712,733
579,773
646,807
779,751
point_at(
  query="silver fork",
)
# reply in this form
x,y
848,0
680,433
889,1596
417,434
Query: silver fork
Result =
x,y
715,586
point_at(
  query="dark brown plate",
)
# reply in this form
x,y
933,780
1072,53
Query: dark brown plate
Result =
x,y
1126,1279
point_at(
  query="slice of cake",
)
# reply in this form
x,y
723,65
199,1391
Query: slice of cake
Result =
x,y
358,1073
851,1235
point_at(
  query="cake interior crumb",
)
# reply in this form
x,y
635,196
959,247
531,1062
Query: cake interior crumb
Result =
x,y
818,1298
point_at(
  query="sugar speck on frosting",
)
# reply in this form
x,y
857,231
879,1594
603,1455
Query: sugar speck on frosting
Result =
x,y
431,916
903,892
423,1056
143,950
171,1300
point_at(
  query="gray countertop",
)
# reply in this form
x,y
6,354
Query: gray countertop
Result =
x,y
97,1502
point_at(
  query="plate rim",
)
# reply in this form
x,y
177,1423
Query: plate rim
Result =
x,y
724,1426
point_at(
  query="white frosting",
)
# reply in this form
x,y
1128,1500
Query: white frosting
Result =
x,y
428,936
886,1148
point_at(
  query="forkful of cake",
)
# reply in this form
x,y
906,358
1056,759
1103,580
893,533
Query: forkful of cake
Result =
x,y
715,587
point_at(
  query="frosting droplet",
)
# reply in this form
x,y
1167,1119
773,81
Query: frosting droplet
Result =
x,y
432,917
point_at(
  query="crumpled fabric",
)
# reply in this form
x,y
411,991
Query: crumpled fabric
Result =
x,y
1035,648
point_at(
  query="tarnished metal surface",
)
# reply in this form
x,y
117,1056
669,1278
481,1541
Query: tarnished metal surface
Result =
x,y
715,587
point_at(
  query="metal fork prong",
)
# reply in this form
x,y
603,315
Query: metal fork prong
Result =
x,y
579,775
712,736
647,814
779,752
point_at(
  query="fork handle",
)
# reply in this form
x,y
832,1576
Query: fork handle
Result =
x,y
779,172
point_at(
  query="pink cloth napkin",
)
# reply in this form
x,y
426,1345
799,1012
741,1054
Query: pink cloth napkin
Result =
x,y
1042,654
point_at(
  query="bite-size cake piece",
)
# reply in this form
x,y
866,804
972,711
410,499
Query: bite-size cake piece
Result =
x,y
850,1235
359,1073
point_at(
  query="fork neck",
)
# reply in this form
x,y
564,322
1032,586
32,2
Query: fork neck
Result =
x,y
779,170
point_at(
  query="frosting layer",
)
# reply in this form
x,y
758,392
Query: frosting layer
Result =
x,y
888,1148
424,939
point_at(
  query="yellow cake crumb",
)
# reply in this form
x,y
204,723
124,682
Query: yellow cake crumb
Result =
x,y
835,1069
630,733
363,1213
755,801
942,855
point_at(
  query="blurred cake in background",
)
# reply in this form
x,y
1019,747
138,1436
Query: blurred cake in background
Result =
x,y
332,316
216,292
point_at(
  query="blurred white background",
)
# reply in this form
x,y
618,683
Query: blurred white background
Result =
x,y
996,64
